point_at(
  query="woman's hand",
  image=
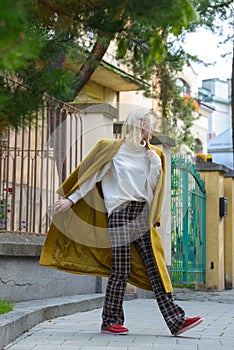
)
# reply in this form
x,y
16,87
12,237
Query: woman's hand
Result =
x,y
62,205
153,157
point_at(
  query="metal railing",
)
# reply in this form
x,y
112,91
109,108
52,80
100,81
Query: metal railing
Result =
x,y
188,202
33,163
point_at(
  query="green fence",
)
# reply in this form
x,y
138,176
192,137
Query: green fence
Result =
x,y
188,203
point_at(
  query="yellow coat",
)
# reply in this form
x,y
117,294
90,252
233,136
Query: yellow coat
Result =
x,y
78,240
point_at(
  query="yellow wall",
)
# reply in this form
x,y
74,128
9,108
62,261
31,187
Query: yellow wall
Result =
x,y
93,92
214,230
229,233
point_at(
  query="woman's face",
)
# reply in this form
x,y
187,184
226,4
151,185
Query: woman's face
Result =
x,y
146,128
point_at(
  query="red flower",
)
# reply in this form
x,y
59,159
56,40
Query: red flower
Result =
x,y
9,189
188,100
200,157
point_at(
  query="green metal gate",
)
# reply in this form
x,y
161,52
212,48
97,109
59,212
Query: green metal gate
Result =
x,y
188,203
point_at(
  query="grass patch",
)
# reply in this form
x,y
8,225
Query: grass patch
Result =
x,y
5,306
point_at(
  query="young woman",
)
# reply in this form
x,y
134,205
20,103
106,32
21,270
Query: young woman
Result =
x,y
132,180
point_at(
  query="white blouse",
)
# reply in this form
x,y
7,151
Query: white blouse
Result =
x,y
129,176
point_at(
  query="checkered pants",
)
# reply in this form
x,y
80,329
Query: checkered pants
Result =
x,y
129,223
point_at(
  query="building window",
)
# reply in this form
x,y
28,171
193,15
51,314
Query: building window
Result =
x,y
184,86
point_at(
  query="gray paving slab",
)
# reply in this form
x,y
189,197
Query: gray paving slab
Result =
x,y
81,330
28,314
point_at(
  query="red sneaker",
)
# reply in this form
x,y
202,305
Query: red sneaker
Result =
x,y
115,329
190,323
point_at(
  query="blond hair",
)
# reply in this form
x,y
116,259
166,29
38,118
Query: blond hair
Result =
x,y
132,126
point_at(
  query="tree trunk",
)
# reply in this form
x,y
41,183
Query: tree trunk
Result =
x,y
92,62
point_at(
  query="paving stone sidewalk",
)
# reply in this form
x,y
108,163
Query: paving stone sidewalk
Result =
x,y
81,331
226,296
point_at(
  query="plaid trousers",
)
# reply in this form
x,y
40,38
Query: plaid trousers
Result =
x,y
129,223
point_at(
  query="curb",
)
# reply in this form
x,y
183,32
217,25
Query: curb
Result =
x,y
28,314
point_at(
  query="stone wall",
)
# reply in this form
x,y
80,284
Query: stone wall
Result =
x,y
23,279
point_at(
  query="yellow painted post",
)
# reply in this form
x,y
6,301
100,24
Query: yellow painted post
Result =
x,y
229,232
213,175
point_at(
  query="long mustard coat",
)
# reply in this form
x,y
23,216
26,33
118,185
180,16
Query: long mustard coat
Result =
x,y
78,240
